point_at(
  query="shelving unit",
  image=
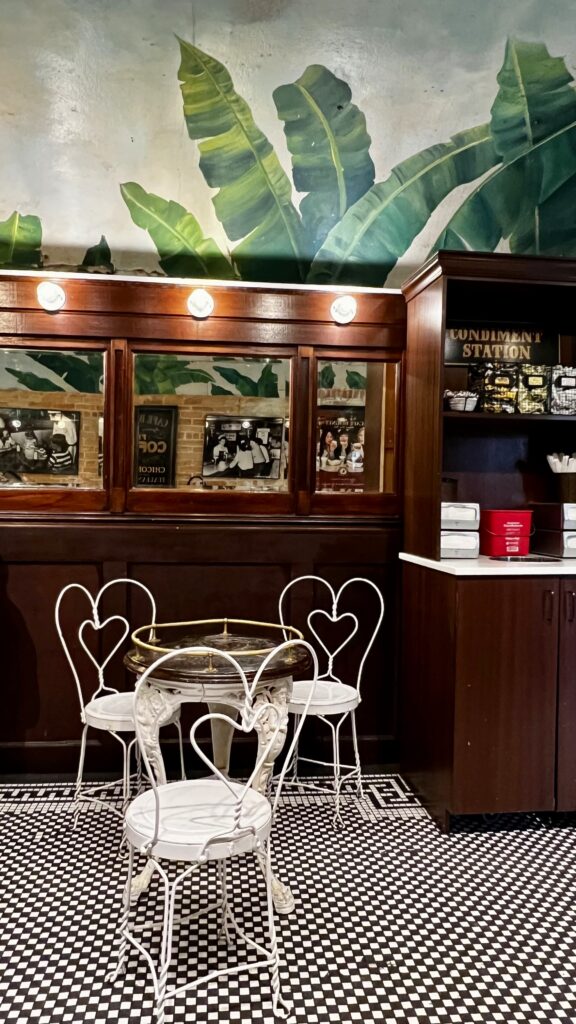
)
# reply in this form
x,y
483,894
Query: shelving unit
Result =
x,y
489,660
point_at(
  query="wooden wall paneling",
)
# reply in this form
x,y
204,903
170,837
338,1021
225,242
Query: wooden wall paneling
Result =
x,y
423,423
41,714
428,685
505,708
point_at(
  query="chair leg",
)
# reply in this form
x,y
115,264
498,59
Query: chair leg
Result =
x,y
359,789
166,949
337,772
182,768
139,778
223,876
78,787
124,923
279,1005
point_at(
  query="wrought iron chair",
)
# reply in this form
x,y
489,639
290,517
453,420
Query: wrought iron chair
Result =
x,y
203,820
107,709
329,697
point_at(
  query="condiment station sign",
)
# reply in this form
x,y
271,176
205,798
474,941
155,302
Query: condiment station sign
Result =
x,y
471,342
155,447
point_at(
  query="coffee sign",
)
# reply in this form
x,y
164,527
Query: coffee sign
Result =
x,y
155,445
473,342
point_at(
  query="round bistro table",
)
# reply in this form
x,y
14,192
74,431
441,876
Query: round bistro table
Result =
x,y
214,681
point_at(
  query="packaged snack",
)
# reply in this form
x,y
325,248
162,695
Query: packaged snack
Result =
x,y
533,388
563,391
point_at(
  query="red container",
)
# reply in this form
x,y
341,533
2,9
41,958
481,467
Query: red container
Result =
x,y
505,531
504,544
506,521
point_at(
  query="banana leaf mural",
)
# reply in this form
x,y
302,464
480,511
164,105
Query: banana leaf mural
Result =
x,y
20,241
254,197
347,227
330,147
70,371
183,249
170,375
534,130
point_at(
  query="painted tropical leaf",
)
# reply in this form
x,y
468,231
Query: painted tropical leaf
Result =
x,y
162,375
34,383
183,249
265,387
268,382
516,201
326,376
243,384
83,375
20,241
217,390
254,197
98,257
535,98
327,137
355,379
364,246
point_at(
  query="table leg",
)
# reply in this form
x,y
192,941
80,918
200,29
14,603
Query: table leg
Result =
x,y
222,734
277,700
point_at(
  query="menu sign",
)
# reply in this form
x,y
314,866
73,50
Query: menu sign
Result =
x,y
155,445
518,344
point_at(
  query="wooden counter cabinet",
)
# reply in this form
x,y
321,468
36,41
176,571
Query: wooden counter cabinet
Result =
x,y
489,695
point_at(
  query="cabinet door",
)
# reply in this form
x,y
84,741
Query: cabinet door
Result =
x,y
566,765
505,711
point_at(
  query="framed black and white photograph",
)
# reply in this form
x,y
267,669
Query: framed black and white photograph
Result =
x,y
340,447
155,445
39,441
243,446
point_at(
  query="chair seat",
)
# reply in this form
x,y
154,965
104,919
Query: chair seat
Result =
x,y
112,711
115,712
328,698
193,811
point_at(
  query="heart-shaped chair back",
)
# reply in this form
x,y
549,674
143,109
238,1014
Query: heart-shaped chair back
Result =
x,y
270,719
109,637
333,630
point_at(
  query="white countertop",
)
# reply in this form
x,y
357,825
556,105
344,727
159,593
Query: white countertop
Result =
x,y
485,566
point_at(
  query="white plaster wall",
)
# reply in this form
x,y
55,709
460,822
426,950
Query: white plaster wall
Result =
x,y
89,95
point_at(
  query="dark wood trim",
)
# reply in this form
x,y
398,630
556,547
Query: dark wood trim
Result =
x,y
149,298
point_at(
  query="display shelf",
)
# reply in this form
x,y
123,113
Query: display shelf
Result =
x,y
511,417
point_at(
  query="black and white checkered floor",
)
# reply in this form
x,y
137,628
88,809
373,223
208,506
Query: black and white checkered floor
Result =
x,y
394,921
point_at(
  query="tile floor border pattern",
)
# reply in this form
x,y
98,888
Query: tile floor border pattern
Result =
x,y
395,921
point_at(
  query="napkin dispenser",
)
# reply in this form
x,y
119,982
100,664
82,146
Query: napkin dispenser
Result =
x,y
460,515
459,544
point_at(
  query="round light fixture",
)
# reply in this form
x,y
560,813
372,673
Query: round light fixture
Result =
x,y
200,303
344,309
51,296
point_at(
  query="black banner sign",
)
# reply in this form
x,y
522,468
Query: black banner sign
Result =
x,y
519,344
155,445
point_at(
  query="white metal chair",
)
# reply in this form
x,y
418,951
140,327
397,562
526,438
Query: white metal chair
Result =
x,y
329,697
204,820
107,709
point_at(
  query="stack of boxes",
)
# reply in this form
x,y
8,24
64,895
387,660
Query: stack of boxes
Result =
x,y
459,529
505,532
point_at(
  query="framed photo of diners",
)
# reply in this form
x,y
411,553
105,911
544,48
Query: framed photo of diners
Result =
x,y
43,441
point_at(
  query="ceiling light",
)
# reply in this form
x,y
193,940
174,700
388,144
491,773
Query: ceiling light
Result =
x,y
344,309
200,303
51,296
